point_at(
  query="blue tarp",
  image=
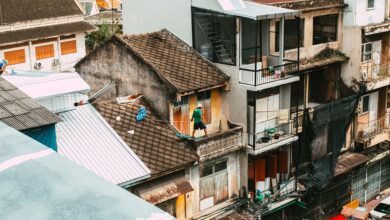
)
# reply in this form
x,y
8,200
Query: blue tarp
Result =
x,y
45,135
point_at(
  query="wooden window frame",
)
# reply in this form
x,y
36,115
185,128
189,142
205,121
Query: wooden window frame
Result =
x,y
11,61
46,54
204,98
72,50
182,124
366,53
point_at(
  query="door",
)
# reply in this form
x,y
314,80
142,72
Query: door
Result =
x,y
376,58
359,186
373,181
373,108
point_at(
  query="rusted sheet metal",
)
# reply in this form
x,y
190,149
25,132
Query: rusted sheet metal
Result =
x,y
165,191
349,161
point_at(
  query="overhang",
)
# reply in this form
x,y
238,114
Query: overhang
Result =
x,y
41,85
30,34
376,28
245,9
348,161
164,189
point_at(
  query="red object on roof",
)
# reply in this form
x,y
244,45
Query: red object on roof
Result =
x,y
339,217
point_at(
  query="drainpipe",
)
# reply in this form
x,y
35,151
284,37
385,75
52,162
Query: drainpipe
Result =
x,y
30,55
59,52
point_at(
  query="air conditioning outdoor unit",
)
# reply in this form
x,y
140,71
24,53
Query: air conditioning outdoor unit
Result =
x,y
56,62
38,66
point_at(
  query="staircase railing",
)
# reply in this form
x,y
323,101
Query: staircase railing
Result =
x,y
206,38
228,43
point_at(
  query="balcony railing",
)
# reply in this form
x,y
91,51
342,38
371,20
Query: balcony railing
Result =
x,y
220,143
370,72
370,129
252,77
273,135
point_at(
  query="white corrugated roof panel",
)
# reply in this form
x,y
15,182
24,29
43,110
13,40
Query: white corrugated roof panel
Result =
x,y
40,85
87,139
245,9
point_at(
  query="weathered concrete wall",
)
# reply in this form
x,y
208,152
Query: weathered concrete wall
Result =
x,y
359,15
114,63
352,48
153,15
309,50
235,168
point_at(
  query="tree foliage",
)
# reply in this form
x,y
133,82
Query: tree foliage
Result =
x,y
103,34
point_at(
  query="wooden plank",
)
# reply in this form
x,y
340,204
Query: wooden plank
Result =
x,y
221,187
272,166
260,169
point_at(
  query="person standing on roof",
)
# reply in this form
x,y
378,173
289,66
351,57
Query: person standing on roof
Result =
x,y
3,65
197,118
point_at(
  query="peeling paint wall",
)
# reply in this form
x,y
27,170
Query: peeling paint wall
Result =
x,y
352,48
234,183
113,63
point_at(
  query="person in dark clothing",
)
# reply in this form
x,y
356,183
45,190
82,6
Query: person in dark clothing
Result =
x,y
198,123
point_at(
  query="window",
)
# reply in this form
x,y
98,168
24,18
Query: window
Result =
x,y
215,36
370,4
68,47
43,52
168,206
181,115
213,184
365,104
325,28
383,208
366,52
15,56
290,34
250,42
204,98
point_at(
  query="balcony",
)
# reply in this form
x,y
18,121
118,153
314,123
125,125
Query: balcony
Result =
x,y
376,76
272,138
259,78
220,143
373,132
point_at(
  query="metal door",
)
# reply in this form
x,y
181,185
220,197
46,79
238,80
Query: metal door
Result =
x,y
359,186
385,174
373,181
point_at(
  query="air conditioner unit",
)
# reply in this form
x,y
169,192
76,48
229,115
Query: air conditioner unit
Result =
x,y
56,62
38,66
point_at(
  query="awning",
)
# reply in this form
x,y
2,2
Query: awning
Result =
x,y
245,9
349,161
376,28
165,189
275,207
41,85
30,34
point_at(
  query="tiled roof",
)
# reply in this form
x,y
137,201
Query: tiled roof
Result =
x,y
154,141
21,112
178,64
13,11
19,36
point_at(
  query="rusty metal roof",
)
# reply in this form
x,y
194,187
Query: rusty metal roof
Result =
x,y
349,161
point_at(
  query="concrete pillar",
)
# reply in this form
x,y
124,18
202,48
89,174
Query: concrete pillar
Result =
x,y
281,40
59,52
30,54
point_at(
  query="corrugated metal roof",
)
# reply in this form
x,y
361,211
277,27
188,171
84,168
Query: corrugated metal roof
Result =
x,y
86,138
41,85
245,9
37,183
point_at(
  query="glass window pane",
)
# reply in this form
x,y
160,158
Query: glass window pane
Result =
x,y
206,171
325,28
220,166
366,104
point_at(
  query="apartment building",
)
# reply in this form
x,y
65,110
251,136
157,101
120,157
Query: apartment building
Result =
x,y
49,38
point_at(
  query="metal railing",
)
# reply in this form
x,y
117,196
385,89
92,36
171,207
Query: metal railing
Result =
x,y
371,72
266,75
271,134
372,128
